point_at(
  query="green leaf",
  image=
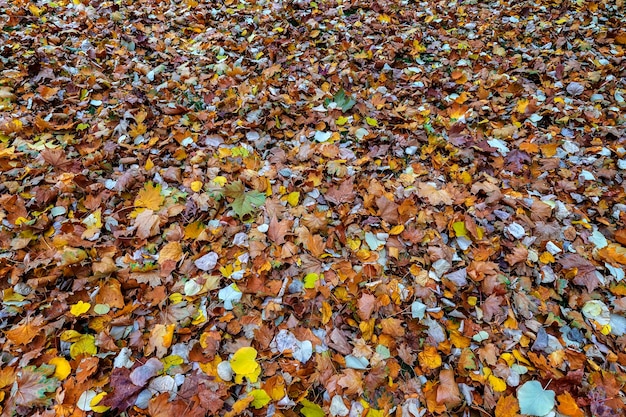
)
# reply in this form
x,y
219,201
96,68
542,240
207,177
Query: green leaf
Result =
x,y
243,203
534,400
311,409
343,101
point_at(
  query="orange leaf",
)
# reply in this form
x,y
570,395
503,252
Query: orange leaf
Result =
x,y
429,358
23,334
507,406
613,253
568,406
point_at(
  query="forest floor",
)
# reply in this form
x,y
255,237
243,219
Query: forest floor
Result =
x,y
299,208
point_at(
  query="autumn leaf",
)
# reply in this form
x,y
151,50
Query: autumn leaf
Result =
x,y
507,406
150,197
448,391
25,333
244,364
62,368
32,387
429,358
567,406
278,230
244,202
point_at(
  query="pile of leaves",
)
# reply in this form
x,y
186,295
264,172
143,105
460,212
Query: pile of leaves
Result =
x,y
257,207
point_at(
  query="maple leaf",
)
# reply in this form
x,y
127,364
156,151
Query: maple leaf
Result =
x,y
278,230
150,197
244,202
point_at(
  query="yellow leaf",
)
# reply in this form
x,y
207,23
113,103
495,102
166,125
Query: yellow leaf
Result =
x,y
327,312
210,368
429,358
36,11
70,336
80,308
196,186
244,364
546,258
497,384
371,122
193,230
150,197
261,399
62,368
95,401
149,165
521,105
220,180
85,345
459,229
293,198
396,230
341,120
367,328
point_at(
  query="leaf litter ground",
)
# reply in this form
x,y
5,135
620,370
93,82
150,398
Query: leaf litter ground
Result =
x,y
312,208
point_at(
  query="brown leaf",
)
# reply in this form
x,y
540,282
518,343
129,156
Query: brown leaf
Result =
x,y
448,391
342,194
147,224
392,327
387,209
492,308
352,381
585,271
110,294
519,254
278,230
366,305
86,368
